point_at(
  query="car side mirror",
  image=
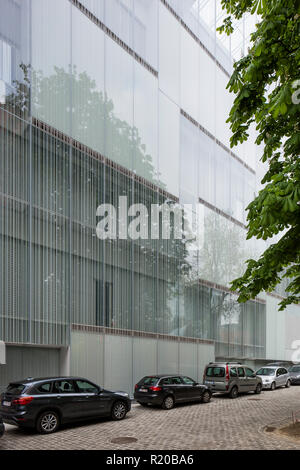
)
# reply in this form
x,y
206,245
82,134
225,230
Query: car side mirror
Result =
x,y
196,383
99,391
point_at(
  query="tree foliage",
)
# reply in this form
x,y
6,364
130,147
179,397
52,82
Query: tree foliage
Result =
x,y
266,83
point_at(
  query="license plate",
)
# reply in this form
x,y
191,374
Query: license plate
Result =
x,y
209,382
6,403
143,390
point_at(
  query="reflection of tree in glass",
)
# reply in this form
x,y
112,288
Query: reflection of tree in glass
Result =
x,y
223,252
72,104
91,120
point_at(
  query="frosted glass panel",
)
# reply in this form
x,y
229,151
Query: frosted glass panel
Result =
x,y
51,59
145,123
189,145
190,75
119,105
207,96
169,135
169,54
145,30
88,101
224,101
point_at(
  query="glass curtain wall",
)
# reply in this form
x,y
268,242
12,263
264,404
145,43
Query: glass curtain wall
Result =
x,y
90,119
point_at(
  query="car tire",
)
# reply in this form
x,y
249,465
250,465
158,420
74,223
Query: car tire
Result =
x,y
234,392
288,384
168,403
273,386
206,396
47,422
118,411
258,389
143,404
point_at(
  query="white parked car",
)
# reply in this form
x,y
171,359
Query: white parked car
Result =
x,y
273,377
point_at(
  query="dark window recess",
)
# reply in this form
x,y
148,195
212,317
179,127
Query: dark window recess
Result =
x,y
44,388
104,303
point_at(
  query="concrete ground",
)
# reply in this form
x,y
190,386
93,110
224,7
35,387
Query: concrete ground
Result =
x,y
222,424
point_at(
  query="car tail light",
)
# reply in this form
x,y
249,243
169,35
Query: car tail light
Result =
x,y
136,387
155,389
22,401
227,373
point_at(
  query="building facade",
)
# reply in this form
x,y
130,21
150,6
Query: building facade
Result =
x,y
102,99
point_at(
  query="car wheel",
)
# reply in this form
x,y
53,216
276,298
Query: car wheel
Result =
x,y
288,384
273,386
47,422
118,411
206,397
234,392
143,404
168,403
258,389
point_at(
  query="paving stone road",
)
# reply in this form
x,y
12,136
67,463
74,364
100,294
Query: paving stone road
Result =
x,y
222,424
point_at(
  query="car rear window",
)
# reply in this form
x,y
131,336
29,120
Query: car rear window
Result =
x,y
294,369
215,372
149,381
15,389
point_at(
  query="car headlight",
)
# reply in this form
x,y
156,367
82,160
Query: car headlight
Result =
x,y
123,394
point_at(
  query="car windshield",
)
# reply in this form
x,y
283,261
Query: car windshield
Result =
x,y
15,389
265,371
215,372
294,369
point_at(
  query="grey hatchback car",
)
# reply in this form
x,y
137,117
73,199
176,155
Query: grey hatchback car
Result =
x,y
294,372
231,378
273,377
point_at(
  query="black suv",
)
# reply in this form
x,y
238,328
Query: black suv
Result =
x,y
166,390
46,403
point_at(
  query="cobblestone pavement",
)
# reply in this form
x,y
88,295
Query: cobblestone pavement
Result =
x,y
222,424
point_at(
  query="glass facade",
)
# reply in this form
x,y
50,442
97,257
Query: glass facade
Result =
x,y
108,98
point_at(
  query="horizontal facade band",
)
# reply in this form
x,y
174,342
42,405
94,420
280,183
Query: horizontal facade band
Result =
x,y
139,334
193,35
213,285
205,131
113,36
223,214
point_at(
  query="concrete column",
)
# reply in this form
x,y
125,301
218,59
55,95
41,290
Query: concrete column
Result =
x,y
65,361
2,353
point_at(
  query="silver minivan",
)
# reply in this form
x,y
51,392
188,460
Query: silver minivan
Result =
x,y
231,378
273,377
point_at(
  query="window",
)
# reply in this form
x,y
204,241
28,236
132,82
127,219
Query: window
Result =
x,y
295,369
86,387
241,372
176,381
215,372
233,372
188,381
167,381
15,389
149,381
249,372
64,386
44,388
